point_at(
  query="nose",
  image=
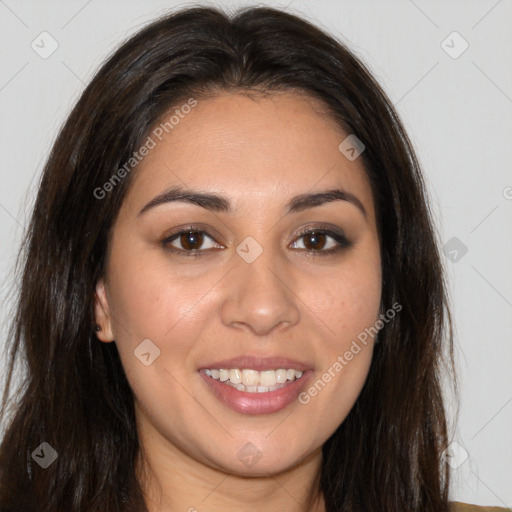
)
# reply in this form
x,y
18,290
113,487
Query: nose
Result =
x,y
259,296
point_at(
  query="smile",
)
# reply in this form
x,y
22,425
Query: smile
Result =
x,y
253,381
255,392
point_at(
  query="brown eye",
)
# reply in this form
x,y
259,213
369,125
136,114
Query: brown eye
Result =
x,y
191,240
314,240
321,242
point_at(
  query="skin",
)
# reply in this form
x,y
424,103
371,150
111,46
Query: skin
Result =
x,y
259,153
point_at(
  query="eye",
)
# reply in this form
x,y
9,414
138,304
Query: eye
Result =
x,y
195,242
190,242
316,241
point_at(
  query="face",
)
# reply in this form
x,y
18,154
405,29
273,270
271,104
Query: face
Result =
x,y
234,316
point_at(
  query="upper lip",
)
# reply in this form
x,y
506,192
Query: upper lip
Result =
x,y
257,363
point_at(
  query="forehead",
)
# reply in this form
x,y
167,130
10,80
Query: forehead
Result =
x,y
257,150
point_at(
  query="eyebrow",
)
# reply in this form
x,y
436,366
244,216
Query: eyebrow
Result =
x,y
217,203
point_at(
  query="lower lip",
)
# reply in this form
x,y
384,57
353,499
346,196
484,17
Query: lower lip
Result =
x,y
257,403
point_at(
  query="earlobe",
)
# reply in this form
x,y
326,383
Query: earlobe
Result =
x,y
102,315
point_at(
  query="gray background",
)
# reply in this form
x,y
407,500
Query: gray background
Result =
x,y
457,110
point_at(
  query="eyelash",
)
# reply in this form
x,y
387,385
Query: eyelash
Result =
x,y
342,241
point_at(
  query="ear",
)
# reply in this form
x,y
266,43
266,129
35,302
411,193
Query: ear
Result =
x,y
102,313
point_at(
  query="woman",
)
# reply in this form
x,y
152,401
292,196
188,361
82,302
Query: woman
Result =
x,y
232,296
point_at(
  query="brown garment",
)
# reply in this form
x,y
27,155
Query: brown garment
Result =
x,y
457,506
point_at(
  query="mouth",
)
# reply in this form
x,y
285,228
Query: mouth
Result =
x,y
254,381
250,385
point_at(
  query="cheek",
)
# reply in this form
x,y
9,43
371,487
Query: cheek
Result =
x,y
349,310
149,296
348,300
347,306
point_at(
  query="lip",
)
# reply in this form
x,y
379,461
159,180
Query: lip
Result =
x,y
256,403
259,363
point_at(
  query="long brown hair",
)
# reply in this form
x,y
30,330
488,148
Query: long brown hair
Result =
x,y
386,455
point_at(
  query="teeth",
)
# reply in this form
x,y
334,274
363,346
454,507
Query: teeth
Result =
x,y
250,377
253,381
268,378
282,375
235,376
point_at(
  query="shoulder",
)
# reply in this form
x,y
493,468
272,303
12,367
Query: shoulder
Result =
x,y
457,506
